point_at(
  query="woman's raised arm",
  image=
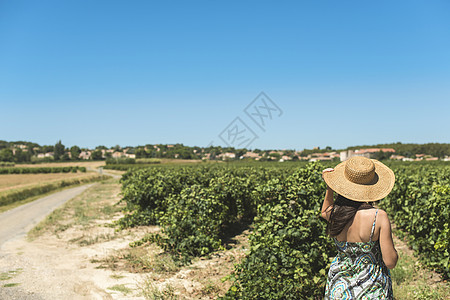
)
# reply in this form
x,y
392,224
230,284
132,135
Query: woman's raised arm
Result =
x,y
328,200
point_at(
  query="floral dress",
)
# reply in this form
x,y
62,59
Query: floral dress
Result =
x,y
358,271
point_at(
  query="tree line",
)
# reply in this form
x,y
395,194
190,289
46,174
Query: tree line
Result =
x,y
410,150
29,151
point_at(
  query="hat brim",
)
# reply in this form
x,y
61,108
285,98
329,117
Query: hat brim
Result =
x,y
376,190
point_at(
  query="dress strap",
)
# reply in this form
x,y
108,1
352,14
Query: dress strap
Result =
x,y
373,225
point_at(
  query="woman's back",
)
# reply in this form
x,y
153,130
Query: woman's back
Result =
x,y
358,269
359,228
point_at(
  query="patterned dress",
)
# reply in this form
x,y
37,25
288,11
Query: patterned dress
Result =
x,y
358,271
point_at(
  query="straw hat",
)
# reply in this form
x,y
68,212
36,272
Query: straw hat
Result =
x,y
361,179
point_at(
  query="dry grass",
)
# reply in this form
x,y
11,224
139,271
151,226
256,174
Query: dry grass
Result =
x,y
15,181
113,172
122,288
87,210
140,260
412,281
179,161
152,292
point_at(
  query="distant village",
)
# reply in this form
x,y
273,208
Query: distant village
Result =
x,y
23,152
331,156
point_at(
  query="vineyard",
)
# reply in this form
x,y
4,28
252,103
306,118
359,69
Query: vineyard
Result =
x,y
197,208
419,205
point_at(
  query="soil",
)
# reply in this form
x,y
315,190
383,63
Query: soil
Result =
x,y
53,268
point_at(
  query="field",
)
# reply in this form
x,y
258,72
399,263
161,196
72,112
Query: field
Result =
x,y
87,164
17,189
14,181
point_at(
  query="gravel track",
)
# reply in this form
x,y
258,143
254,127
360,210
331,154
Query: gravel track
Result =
x,y
14,225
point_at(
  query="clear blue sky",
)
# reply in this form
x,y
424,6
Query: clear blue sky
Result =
x,y
144,72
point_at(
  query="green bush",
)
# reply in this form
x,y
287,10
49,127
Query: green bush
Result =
x,y
420,207
41,170
193,205
148,161
124,167
193,223
118,161
146,191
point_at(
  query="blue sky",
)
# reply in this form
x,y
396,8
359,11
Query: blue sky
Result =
x,y
145,72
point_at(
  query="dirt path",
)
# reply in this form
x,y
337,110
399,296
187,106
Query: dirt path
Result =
x,y
49,268
16,222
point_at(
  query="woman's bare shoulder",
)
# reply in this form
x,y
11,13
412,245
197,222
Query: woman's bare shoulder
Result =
x,y
382,217
382,213
367,216
368,212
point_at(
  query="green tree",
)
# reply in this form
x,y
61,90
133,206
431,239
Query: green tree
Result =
x,y
4,144
276,156
75,152
6,155
59,150
380,155
22,156
30,150
96,155
141,153
46,149
240,152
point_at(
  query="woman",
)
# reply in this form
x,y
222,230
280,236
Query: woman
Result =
x,y
362,233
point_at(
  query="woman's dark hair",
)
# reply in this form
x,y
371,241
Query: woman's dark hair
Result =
x,y
342,212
